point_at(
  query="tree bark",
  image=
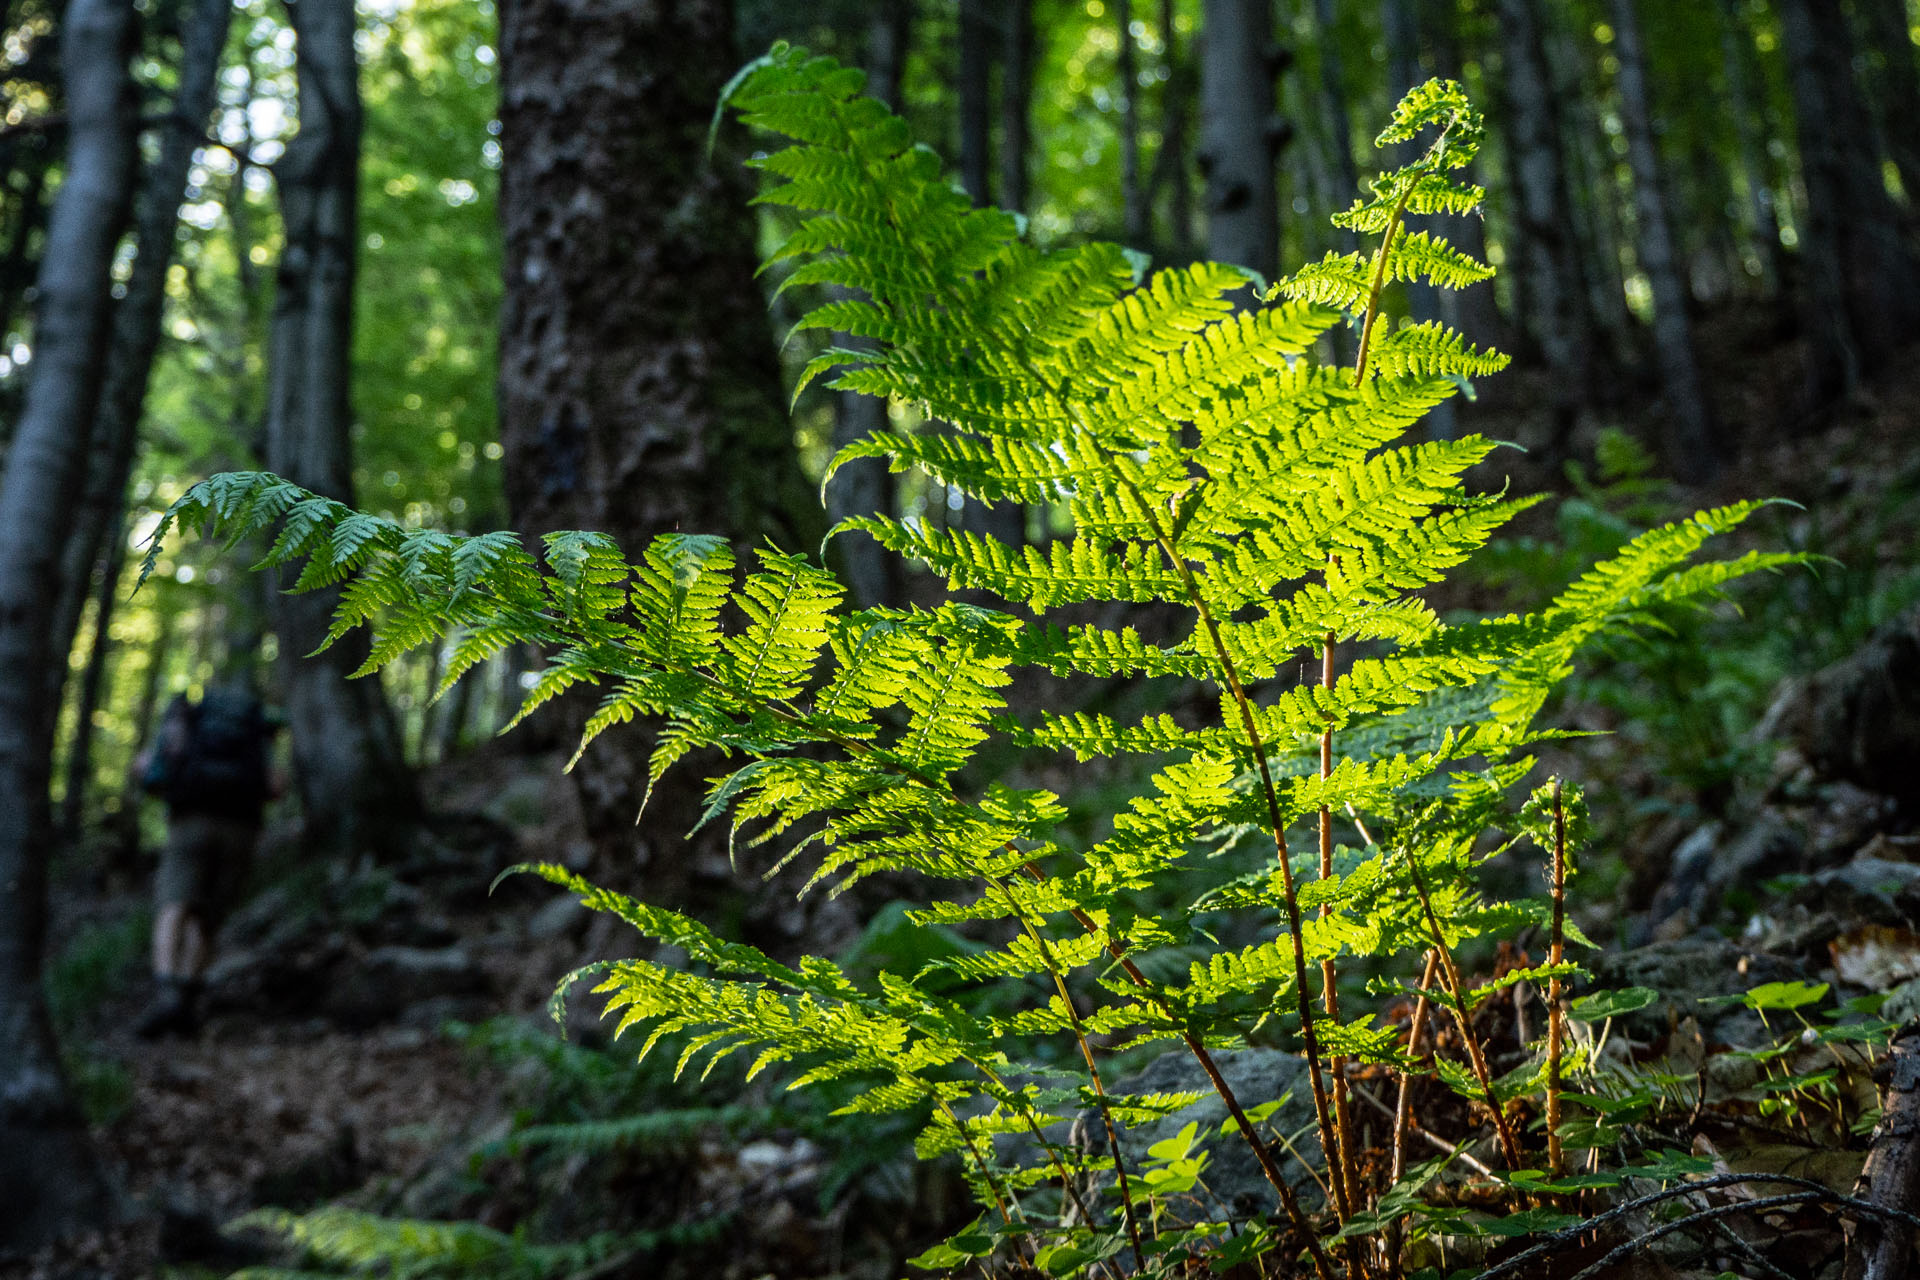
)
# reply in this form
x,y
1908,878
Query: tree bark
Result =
x,y
1862,299
350,771
50,1179
1693,445
639,391
1241,134
1549,277
863,487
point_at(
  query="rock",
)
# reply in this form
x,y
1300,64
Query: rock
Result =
x,y
1686,972
563,917
1860,718
1256,1076
388,980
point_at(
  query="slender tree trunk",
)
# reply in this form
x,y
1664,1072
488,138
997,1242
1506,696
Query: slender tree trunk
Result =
x,y
356,791
1333,103
1897,87
1002,521
1241,134
1692,443
1016,107
1170,165
1133,196
1549,276
123,858
1404,71
1593,201
135,335
50,1179
87,697
1862,282
1749,116
639,388
863,487
976,109
454,718
1474,312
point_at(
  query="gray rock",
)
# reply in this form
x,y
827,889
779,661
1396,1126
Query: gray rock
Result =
x,y
1256,1076
561,918
388,980
1686,972
1860,718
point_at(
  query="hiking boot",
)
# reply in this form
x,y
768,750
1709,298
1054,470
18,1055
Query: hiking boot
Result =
x,y
172,1011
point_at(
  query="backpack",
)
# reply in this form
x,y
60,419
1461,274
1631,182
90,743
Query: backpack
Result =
x,y
215,756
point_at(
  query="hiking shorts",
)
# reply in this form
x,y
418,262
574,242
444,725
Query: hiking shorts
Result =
x,y
204,865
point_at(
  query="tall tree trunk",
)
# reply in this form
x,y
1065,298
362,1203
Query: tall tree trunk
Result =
x,y
865,486
976,109
135,335
1002,521
355,789
1474,312
1133,196
1862,283
1747,107
639,390
1897,87
50,1179
1176,110
1241,134
1016,107
87,697
1333,104
1404,71
1593,200
1549,277
1692,444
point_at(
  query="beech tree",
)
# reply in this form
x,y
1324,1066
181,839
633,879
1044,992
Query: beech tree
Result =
x,y
50,1180
639,390
351,773
1693,444
1240,134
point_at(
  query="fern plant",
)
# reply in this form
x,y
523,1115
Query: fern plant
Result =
x,y
1207,463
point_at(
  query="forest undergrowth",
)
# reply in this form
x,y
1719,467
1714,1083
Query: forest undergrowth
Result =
x,y
1859,499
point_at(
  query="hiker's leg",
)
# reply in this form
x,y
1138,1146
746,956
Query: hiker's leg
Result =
x,y
168,927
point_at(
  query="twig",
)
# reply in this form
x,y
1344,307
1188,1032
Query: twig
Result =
x,y
1403,1109
1815,1190
1476,1056
1556,1158
1344,1162
1434,1140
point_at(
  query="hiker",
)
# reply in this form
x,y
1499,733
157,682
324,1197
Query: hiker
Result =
x,y
209,765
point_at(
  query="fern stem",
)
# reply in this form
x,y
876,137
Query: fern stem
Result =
x,y
986,1172
1093,1071
1476,1056
1329,1139
1556,1158
1403,1109
1052,1149
1262,1154
1344,1166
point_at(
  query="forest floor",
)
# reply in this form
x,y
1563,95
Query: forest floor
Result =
x,y
325,1069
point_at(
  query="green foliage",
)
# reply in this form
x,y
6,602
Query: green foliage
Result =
x,y
1207,465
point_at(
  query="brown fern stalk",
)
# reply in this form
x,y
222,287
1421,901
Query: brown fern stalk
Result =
x,y
1344,1163
1456,989
1556,1025
1403,1108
